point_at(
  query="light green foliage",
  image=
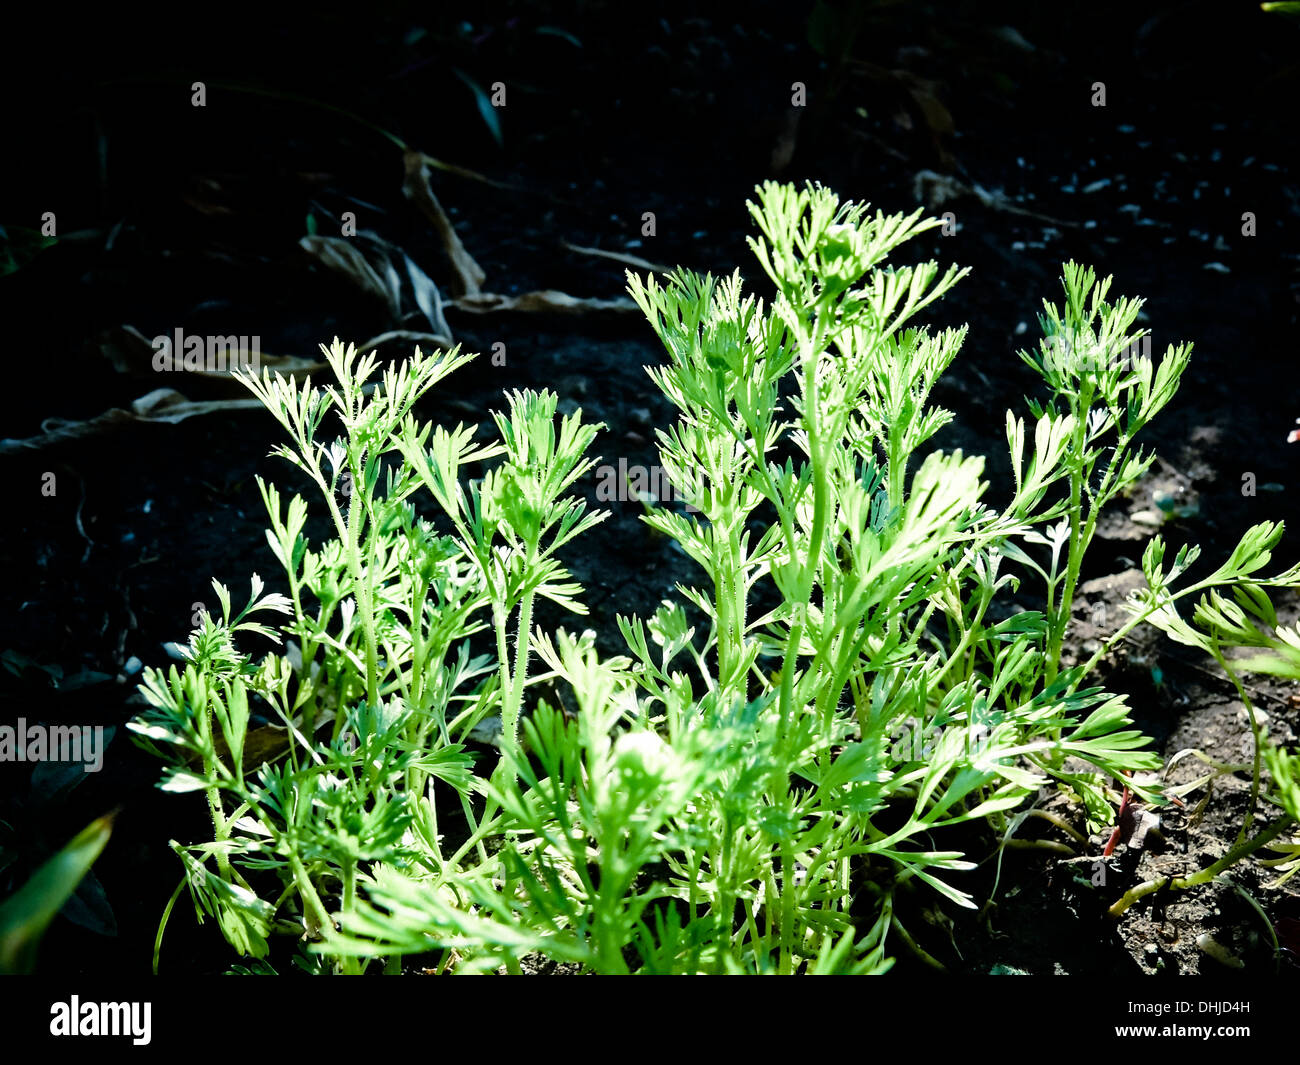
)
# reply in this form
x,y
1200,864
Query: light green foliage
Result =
x,y
1246,622
373,701
733,794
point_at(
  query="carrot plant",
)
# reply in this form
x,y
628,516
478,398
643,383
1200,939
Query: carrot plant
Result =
x,y
371,702
729,796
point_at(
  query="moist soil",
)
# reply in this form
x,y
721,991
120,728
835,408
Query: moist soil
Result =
x,y
176,216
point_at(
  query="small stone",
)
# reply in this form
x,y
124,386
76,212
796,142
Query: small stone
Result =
x,y
1210,946
1261,716
1148,518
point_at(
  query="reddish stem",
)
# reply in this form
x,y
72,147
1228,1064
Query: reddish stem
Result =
x,y
1113,842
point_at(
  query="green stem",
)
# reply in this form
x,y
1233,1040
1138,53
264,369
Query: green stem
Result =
x,y
307,890
365,593
1257,762
351,965
348,536
1061,620
212,770
897,469
522,638
162,924
732,593
789,891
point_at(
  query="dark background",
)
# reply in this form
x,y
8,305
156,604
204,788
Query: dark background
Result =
x,y
173,216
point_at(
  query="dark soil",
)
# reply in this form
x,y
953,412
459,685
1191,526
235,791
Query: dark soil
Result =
x,y
172,216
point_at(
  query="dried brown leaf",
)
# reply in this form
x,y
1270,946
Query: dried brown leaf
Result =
x,y
344,257
163,405
618,257
131,352
469,276
427,298
408,339
546,301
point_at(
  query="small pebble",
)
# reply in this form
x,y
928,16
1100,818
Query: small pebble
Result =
x,y
1210,946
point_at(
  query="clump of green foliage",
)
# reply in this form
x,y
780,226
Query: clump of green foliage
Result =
x,y
1245,622
729,796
